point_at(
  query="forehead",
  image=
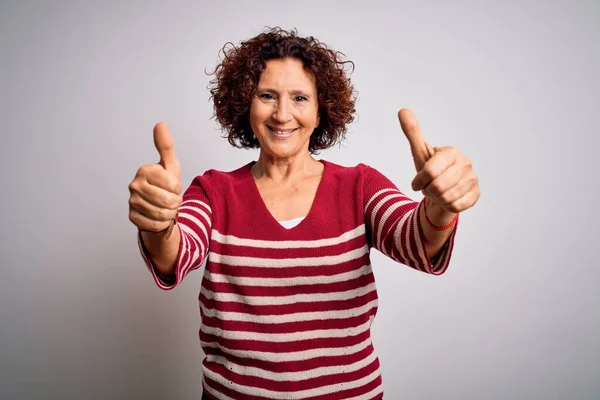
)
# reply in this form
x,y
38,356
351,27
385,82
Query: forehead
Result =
x,y
286,73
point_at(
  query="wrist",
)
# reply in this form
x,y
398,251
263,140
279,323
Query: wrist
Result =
x,y
438,217
164,234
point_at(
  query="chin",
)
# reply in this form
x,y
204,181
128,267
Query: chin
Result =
x,y
280,151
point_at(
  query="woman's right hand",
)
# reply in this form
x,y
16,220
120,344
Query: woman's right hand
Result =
x,y
155,192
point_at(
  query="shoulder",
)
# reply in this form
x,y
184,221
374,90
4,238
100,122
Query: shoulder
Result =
x,y
359,170
216,177
214,181
360,178
363,177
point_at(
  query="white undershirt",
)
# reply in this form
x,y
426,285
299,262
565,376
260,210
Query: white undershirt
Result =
x,y
290,223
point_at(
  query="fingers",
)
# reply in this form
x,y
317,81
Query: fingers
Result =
x,y
454,198
154,198
155,191
157,187
157,176
443,173
420,149
145,223
465,202
454,188
434,167
151,210
443,182
166,149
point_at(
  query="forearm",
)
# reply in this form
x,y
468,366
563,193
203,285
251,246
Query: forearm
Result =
x,y
435,239
163,250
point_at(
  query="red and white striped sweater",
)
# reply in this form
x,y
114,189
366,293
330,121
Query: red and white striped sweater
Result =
x,y
286,313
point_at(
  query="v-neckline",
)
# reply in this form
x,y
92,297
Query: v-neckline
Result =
x,y
268,213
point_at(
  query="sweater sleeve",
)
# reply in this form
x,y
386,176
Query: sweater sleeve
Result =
x,y
194,223
393,228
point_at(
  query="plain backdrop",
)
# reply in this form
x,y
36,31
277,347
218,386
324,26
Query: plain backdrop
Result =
x,y
514,85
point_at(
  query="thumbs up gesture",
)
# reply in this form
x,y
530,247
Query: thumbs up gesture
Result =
x,y
155,190
444,174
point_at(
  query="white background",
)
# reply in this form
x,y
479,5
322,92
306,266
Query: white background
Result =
x,y
514,85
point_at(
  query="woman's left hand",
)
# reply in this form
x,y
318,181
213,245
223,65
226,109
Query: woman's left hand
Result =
x,y
444,175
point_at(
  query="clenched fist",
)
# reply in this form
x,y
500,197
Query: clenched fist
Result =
x,y
156,188
444,174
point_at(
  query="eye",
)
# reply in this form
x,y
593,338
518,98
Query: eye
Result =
x,y
300,98
266,97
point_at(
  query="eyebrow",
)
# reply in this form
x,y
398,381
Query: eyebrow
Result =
x,y
292,92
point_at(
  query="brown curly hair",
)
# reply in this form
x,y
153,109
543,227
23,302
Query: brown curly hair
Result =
x,y
237,76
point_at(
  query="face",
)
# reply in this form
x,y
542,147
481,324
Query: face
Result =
x,y
284,111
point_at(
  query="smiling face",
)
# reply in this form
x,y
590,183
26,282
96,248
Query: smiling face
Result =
x,y
284,110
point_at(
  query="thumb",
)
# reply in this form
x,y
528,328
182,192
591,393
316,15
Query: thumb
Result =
x,y
420,149
166,149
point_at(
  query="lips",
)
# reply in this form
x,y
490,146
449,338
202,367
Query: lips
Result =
x,y
282,133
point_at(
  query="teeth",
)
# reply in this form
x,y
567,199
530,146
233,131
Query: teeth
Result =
x,y
278,132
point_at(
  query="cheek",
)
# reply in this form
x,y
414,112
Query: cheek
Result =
x,y
311,117
316,121
317,117
252,116
258,113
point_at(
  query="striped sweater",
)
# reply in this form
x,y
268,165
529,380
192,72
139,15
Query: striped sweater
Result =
x,y
286,313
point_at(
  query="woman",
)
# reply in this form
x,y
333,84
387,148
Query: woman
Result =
x,y
288,294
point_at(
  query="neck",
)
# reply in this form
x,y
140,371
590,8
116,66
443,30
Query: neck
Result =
x,y
284,169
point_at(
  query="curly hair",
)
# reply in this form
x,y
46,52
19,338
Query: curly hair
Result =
x,y
236,78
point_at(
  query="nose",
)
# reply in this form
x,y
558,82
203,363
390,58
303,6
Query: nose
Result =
x,y
282,112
